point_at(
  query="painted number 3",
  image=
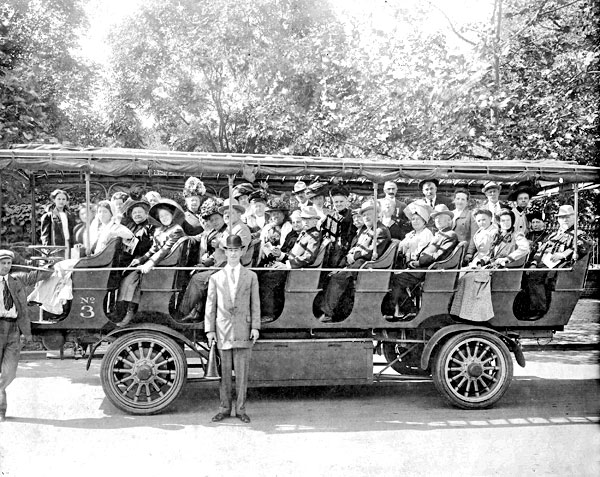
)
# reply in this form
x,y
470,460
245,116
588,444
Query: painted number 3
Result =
x,y
87,310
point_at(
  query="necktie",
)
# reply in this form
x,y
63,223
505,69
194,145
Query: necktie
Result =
x,y
8,299
232,276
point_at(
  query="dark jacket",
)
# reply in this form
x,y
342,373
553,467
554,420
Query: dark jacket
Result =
x,y
361,247
17,284
443,243
163,242
52,230
304,252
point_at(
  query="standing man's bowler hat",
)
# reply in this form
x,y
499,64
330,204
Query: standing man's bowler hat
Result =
x,y
233,242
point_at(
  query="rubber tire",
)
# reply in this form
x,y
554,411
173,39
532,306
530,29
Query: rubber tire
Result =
x,y
503,357
179,365
411,364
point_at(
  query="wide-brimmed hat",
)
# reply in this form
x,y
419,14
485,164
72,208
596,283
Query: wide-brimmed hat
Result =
x,y
6,254
309,213
536,214
171,206
316,189
414,208
565,211
491,185
259,195
233,242
441,209
522,187
425,181
128,207
210,207
299,187
367,206
277,204
234,205
245,188
193,187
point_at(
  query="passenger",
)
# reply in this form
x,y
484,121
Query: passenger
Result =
x,y
357,220
299,194
521,197
338,226
464,222
492,203
255,216
557,251
537,234
361,251
136,218
387,209
117,201
168,216
241,193
80,231
390,189
233,218
194,299
443,244
194,194
108,227
316,193
430,197
416,241
58,222
277,213
482,240
153,197
473,298
302,254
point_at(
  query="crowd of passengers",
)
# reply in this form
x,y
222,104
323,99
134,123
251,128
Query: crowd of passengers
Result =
x,y
290,230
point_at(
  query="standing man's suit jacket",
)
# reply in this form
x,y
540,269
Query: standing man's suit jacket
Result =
x,y
232,321
17,284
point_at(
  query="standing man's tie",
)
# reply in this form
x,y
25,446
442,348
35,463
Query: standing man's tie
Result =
x,y
8,299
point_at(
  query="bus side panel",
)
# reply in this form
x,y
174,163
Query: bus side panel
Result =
x,y
311,362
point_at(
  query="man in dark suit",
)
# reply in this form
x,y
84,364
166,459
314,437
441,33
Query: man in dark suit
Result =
x,y
14,320
232,320
430,197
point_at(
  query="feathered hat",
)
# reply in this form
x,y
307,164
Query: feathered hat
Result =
x,y
193,187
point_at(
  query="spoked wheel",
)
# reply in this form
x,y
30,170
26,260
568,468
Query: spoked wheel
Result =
x,y
143,372
405,358
473,370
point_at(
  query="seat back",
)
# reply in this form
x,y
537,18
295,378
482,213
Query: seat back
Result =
x,y
251,253
103,259
575,279
307,280
509,281
380,281
102,279
445,282
387,259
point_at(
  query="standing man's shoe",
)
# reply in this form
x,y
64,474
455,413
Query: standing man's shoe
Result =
x,y
218,417
244,418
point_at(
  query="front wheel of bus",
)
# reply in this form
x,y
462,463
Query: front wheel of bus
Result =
x,y
143,372
473,370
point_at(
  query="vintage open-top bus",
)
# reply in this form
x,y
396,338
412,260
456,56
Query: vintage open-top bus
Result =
x,y
145,366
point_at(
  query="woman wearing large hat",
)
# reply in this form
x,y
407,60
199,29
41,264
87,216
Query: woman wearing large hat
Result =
x,y
193,194
521,197
168,217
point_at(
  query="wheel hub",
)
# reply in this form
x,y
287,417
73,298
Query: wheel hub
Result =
x,y
143,370
474,370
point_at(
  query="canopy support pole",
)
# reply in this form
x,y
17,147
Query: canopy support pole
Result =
x,y
576,209
33,211
1,206
374,243
87,212
231,178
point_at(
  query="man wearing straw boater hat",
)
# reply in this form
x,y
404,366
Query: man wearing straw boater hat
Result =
x,y
14,320
232,321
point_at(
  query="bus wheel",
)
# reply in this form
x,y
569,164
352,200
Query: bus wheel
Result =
x,y
408,358
143,372
473,370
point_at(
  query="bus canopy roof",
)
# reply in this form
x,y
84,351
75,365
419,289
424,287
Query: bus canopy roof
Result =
x,y
122,162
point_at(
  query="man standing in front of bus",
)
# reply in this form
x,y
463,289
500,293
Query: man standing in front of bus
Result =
x,y
13,320
232,320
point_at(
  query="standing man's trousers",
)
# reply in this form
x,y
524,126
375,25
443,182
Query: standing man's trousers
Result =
x,y
239,360
10,350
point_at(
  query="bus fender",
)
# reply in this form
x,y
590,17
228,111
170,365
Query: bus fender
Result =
x,y
137,327
439,335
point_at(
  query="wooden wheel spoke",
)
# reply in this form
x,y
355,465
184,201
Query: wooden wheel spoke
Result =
x,y
166,361
480,355
150,349
126,378
158,355
490,377
126,361
162,380
131,354
128,388
459,351
462,381
157,389
460,375
456,360
476,387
